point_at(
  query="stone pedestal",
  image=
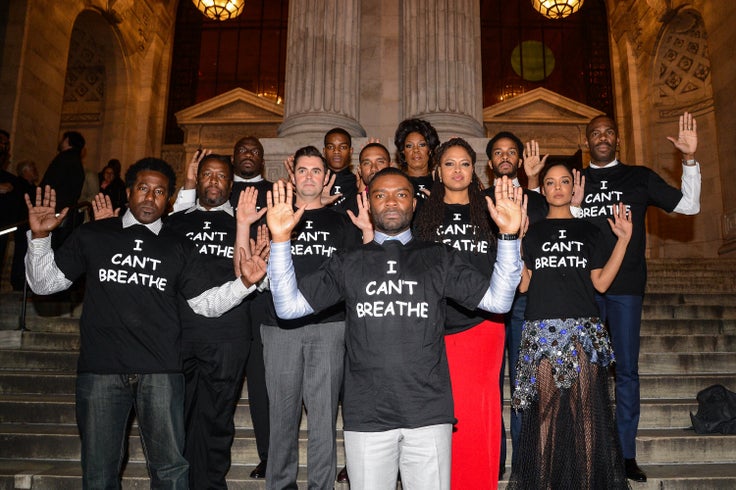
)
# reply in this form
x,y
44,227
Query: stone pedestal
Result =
x,y
322,66
441,65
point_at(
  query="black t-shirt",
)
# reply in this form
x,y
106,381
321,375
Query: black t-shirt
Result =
x,y
396,367
213,234
346,185
263,187
457,232
420,183
320,233
130,322
66,176
637,187
561,253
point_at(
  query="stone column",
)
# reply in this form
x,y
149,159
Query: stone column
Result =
x,y
441,65
322,67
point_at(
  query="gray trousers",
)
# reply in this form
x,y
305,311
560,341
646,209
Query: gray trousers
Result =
x,y
422,454
303,365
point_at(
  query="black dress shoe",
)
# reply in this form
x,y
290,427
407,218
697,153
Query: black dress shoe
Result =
x,y
633,472
260,470
342,477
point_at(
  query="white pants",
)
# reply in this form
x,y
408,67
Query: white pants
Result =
x,y
422,454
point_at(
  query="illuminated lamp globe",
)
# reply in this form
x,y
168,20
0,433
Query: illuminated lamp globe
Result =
x,y
220,9
557,9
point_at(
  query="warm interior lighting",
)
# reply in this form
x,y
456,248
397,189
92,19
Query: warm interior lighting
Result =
x,y
220,9
557,9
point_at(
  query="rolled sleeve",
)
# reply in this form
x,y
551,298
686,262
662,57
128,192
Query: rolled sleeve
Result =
x,y
506,277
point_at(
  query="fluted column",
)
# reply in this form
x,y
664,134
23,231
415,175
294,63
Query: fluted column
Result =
x,y
322,67
441,65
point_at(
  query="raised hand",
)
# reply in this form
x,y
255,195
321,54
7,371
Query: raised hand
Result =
x,y
532,163
289,166
507,211
621,224
261,246
102,207
687,138
363,220
325,198
252,269
42,218
281,217
190,179
246,213
578,188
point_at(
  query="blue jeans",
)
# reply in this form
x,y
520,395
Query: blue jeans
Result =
x,y
623,315
104,403
514,320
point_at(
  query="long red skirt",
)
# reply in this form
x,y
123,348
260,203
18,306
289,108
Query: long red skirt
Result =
x,y
474,357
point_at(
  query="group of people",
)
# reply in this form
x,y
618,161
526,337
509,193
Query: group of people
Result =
x,y
395,290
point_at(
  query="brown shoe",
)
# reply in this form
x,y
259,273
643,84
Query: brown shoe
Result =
x,y
342,477
260,471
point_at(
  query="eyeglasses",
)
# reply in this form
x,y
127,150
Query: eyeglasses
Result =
x,y
253,151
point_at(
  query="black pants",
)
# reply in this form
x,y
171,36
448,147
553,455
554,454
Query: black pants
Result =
x,y
255,374
213,373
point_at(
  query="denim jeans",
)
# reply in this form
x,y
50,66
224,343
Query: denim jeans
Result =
x,y
104,403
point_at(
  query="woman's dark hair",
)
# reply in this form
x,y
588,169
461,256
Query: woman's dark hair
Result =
x,y
432,213
154,165
415,126
555,163
114,164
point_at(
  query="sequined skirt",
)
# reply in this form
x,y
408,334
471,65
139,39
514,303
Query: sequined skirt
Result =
x,y
558,340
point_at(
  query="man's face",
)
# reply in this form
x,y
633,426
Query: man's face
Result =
x,y
505,158
63,145
248,158
337,151
309,176
148,197
373,160
213,183
392,203
602,140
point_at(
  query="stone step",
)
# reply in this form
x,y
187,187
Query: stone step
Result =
x,y
678,363
688,343
721,299
47,360
695,264
688,312
687,327
37,382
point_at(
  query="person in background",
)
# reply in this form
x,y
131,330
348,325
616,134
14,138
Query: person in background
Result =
x,y
416,140
112,185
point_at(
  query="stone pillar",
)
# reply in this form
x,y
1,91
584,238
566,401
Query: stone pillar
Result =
x,y
441,65
322,67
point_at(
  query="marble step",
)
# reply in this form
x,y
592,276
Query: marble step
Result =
x,y
63,475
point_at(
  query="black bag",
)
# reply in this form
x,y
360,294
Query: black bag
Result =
x,y
716,411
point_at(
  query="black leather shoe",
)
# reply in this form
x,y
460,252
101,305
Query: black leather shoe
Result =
x,y
633,472
342,477
260,471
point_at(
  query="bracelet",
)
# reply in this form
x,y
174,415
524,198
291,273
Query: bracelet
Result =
x,y
690,163
508,236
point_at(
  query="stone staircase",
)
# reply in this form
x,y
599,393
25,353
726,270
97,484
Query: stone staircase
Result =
x,y
688,343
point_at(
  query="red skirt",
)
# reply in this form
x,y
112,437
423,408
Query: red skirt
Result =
x,y
474,357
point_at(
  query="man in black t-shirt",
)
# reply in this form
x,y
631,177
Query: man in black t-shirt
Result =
x,y
338,152
214,350
304,357
397,406
135,269
248,166
505,151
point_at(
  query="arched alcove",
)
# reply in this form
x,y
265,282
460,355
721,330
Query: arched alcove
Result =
x,y
96,90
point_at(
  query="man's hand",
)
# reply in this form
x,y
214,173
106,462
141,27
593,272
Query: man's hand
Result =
x,y
246,213
532,163
289,166
190,180
6,187
363,220
252,269
507,210
687,138
42,217
281,217
325,198
578,188
102,207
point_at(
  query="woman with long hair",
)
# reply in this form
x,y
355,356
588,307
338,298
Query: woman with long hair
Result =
x,y
456,213
568,438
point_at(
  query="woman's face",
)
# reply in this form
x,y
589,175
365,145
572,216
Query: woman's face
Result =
x,y
557,186
456,169
416,154
108,174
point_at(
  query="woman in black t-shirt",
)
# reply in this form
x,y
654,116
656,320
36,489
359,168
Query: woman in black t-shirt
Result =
x,y
416,141
568,439
456,214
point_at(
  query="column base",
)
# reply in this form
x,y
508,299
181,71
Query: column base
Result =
x,y
316,124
